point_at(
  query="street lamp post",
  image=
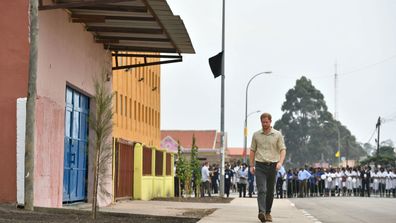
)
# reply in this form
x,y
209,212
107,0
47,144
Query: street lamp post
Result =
x,y
246,115
338,140
245,135
222,102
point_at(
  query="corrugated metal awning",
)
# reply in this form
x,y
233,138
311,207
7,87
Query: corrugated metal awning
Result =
x,y
129,25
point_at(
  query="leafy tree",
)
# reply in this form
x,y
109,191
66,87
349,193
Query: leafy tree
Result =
x,y
386,157
183,171
195,167
350,147
309,129
187,180
387,142
100,121
180,167
387,151
368,148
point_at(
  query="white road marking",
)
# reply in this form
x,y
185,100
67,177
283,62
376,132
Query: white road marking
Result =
x,y
306,214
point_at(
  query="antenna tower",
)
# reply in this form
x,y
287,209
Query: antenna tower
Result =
x,y
335,93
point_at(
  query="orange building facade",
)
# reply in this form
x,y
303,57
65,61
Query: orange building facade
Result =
x,y
136,102
142,170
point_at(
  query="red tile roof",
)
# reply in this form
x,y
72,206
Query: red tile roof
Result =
x,y
236,151
203,138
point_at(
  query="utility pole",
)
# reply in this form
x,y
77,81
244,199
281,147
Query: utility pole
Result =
x,y
378,125
335,110
338,143
31,106
221,194
335,92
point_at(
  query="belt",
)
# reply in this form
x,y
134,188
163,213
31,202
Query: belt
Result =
x,y
266,163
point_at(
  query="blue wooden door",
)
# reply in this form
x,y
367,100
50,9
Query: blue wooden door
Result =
x,y
76,142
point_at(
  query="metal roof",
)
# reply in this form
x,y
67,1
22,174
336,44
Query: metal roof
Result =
x,y
129,25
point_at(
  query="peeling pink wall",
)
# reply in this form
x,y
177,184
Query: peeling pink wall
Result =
x,y
67,55
49,153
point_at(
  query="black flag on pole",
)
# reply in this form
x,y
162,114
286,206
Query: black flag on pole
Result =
x,y
215,64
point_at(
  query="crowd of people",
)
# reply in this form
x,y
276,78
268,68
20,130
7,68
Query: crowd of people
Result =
x,y
349,181
237,178
303,182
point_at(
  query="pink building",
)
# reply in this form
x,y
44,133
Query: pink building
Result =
x,y
76,41
68,60
207,141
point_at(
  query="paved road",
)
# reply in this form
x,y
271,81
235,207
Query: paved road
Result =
x,y
351,209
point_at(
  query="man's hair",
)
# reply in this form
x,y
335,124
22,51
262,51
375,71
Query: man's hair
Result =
x,y
266,115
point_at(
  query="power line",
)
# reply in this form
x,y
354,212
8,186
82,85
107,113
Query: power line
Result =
x,y
335,92
369,65
372,135
306,75
389,118
346,73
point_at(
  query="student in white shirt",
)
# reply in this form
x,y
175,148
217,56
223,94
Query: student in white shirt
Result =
x,y
375,177
354,175
388,182
348,175
382,179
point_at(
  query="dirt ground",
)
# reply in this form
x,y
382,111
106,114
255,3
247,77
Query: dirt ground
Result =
x,y
10,213
213,199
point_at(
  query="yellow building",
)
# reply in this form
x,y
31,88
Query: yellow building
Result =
x,y
141,170
137,102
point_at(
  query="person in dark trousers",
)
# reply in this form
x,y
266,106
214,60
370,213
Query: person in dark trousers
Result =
x,y
303,177
268,151
279,184
205,179
365,176
251,183
243,180
321,181
214,177
228,174
176,185
290,191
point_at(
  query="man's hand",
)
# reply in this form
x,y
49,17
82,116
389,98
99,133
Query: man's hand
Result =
x,y
278,166
252,170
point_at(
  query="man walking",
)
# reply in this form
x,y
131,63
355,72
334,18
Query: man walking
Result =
x,y
205,180
268,150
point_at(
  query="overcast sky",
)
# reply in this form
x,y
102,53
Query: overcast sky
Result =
x,y
291,39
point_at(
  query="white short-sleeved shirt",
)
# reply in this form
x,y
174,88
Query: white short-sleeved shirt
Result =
x,y
205,174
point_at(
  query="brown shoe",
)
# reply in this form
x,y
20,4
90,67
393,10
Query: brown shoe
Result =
x,y
268,217
261,216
